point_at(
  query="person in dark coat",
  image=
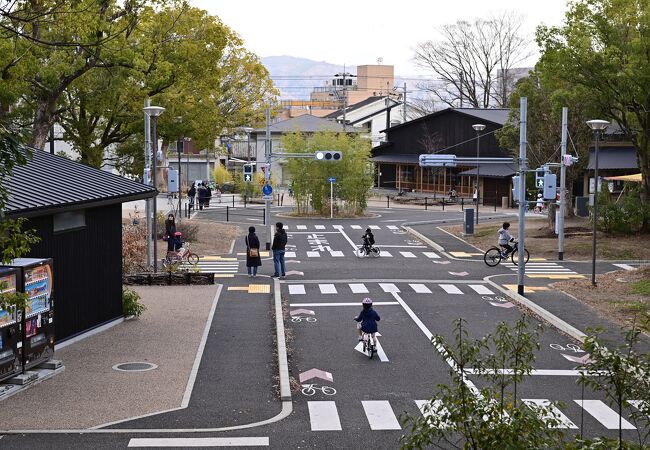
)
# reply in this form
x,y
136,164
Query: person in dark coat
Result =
x,y
208,195
191,194
253,259
170,232
279,243
202,194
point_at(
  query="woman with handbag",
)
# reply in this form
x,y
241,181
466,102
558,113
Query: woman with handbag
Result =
x,y
253,260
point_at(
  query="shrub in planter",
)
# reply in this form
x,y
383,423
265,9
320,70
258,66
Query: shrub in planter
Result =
x,y
131,305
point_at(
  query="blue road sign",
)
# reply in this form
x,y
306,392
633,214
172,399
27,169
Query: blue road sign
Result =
x,y
267,189
331,180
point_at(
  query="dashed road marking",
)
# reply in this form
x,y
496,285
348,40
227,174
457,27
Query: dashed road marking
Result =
x,y
297,289
555,413
323,416
450,289
420,288
380,415
358,288
481,289
327,289
604,414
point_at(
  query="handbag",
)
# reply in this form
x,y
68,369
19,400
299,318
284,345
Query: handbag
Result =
x,y
254,252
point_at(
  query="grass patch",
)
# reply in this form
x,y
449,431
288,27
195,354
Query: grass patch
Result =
x,y
641,287
633,307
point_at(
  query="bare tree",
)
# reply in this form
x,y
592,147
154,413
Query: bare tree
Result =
x,y
467,58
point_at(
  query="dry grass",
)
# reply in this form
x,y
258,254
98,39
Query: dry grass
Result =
x,y
620,295
212,238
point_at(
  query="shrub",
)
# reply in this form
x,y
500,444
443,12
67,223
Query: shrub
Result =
x,y
134,247
190,230
131,305
621,217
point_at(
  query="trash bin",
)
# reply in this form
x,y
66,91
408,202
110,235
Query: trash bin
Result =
x,y
504,202
469,221
582,206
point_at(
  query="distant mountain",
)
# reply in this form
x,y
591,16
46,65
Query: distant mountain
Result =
x,y
296,77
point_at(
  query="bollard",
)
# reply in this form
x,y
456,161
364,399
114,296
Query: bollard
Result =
x,y
388,202
227,213
443,204
462,204
264,215
233,200
425,203
245,199
495,204
434,196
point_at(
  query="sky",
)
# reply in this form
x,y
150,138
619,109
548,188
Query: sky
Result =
x,y
359,32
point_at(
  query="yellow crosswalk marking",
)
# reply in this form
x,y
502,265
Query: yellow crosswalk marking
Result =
x,y
527,289
556,276
217,258
262,254
252,288
537,259
224,275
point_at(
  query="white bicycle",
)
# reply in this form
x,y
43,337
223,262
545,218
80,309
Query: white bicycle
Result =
x,y
311,389
305,319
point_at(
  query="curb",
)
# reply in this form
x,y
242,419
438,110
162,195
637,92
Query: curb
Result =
x,y
425,239
283,365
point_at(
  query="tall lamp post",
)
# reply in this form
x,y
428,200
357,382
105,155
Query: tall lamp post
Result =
x,y
153,112
597,126
248,131
478,127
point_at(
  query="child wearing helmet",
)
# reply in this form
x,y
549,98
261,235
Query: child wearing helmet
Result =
x,y
367,319
368,240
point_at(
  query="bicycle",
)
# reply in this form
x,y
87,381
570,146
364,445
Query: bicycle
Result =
x,y
494,255
369,343
363,251
310,389
180,256
298,319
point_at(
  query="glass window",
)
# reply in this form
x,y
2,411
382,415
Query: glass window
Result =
x,y
69,221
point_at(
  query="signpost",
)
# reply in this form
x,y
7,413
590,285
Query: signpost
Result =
x,y
267,190
331,180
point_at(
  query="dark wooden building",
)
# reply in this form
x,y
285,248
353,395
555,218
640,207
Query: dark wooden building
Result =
x,y
77,212
447,132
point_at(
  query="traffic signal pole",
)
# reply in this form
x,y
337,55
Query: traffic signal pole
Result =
x,y
563,194
267,174
521,271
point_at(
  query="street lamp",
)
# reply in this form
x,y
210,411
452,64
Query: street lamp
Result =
x,y
478,127
154,112
597,126
248,131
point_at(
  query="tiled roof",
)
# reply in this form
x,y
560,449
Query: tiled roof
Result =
x,y
50,182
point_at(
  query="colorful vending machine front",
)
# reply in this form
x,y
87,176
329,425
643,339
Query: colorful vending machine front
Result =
x,y
38,320
10,335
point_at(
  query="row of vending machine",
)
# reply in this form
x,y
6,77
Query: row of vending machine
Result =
x,y
26,335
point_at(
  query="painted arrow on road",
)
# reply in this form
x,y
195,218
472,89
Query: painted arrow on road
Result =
x,y
460,274
316,373
295,272
441,262
296,312
502,305
380,350
577,359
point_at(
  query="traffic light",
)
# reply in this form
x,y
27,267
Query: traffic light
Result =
x,y
328,155
539,177
248,173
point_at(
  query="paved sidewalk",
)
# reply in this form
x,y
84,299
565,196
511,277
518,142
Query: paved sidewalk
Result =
x,y
90,393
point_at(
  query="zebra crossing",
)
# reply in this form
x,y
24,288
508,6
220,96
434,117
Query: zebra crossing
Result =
x,y
380,414
342,254
336,227
361,288
544,270
220,267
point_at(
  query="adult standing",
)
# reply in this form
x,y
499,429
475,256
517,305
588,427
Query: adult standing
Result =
x,y
170,232
201,193
279,244
253,259
191,194
208,195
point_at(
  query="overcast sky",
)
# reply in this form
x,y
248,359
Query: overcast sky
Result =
x,y
358,32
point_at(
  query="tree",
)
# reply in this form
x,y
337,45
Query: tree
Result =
x,y
473,62
604,48
221,174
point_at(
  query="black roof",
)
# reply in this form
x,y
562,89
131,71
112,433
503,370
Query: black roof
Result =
x,y
498,116
49,183
614,158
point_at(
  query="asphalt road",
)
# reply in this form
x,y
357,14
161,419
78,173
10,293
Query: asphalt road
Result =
x,y
349,400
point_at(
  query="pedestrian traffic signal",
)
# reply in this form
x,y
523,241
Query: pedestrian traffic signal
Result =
x,y
328,155
248,173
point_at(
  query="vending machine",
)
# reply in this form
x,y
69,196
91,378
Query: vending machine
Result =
x,y
10,329
35,279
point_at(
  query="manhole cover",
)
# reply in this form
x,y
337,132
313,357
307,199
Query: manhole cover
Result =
x,y
134,367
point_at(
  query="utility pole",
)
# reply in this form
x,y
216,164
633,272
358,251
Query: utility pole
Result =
x,y
267,173
563,196
147,165
404,105
345,100
179,149
521,271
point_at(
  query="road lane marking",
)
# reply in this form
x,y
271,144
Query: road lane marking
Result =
x,y
301,227
420,288
604,414
358,288
336,253
481,289
423,406
355,227
347,238
392,227
374,227
200,442
450,289
297,289
323,416
389,287
313,254
327,289
464,254
300,305
555,413
556,277
319,227
378,349
527,289
625,266
408,255
289,254
380,415
431,255
385,254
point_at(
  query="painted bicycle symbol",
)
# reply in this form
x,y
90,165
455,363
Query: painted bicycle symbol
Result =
x,y
310,389
496,299
569,347
298,319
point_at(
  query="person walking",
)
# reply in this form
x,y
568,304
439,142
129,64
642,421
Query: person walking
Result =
x,y
201,193
208,195
279,244
253,259
191,193
170,232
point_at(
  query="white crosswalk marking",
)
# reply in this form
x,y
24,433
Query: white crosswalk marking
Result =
x,y
327,288
389,287
313,254
374,227
319,227
289,254
301,227
188,442
638,404
336,253
625,266
548,268
420,288
355,227
408,255
297,289
213,266
286,227
481,289
323,416
604,414
358,288
385,254
338,227
392,227
450,289
431,255
435,405
380,415
555,413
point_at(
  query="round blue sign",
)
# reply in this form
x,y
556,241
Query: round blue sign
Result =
x,y
267,189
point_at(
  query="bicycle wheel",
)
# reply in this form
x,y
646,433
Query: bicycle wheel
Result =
x,y
328,390
375,251
309,391
192,258
371,349
492,257
360,252
515,256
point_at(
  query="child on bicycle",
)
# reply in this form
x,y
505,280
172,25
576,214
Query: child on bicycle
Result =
x,y
368,240
505,238
367,319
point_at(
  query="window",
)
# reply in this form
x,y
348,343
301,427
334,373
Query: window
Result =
x,y
69,221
